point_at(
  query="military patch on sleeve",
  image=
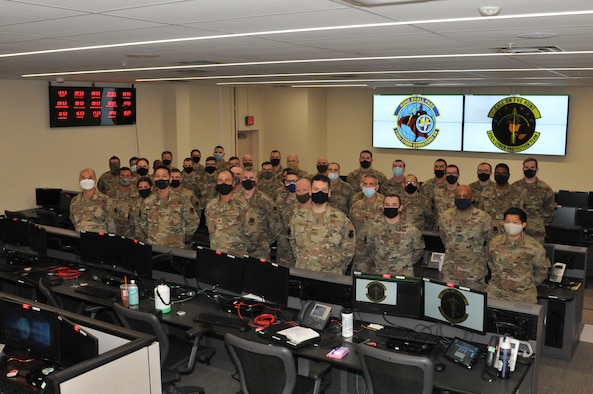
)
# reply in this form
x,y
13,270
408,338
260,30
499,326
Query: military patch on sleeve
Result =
x,y
251,221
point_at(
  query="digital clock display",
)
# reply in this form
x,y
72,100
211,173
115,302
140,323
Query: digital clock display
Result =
x,y
84,106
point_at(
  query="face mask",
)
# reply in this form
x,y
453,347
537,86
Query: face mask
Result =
x,y
529,173
133,168
210,169
439,173
162,183
125,181
483,177
224,189
292,165
368,191
411,189
365,164
291,188
501,179
196,159
451,179
275,162
248,184
303,198
247,165
463,203
144,192
398,171
267,174
166,162
218,156
319,197
390,212
333,176
175,183
114,168
236,179
87,184
142,171
513,228
188,170
322,168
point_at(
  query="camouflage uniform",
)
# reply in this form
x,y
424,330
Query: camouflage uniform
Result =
x,y
443,199
107,181
170,221
428,189
207,188
539,206
267,223
394,248
191,182
341,194
287,207
495,200
270,188
191,196
222,165
517,267
228,227
417,211
363,216
92,213
355,176
322,242
392,187
477,190
465,235
122,213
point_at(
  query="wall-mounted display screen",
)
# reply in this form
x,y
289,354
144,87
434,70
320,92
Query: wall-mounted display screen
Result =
x,y
431,122
530,124
84,106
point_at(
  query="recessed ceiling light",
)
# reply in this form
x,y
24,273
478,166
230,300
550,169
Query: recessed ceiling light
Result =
x,y
537,35
489,10
142,56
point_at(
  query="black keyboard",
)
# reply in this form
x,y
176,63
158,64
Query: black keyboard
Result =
x,y
99,292
8,386
402,334
221,320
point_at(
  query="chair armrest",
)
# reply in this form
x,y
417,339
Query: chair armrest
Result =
x,y
319,370
198,330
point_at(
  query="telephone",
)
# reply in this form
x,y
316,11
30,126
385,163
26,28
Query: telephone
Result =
x,y
314,315
557,272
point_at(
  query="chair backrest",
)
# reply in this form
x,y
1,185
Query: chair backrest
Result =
x,y
262,368
48,218
391,372
48,294
14,214
565,216
144,322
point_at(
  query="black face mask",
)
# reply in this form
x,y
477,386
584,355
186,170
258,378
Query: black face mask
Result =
x,y
248,184
245,165
144,193
439,173
529,173
411,189
303,198
501,179
175,183
267,175
224,189
142,171
188,170
451,179
114,168
210,169
365,164
166,162
162,183
322,168
196,159
319,197
390,212
483,177
275,162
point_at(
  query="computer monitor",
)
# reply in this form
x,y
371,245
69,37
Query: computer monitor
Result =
x,y
454,305
38,239
100,248
76,345
136,257
48,198
433,242
219,269
387,294
584,218
15,232
65,199
266,279
567,198
564,234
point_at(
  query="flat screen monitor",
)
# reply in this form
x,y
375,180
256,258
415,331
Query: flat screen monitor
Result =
x,y
136,257
48,198
27,328
567,198
584,218
219,269
429,122
100,248
38,239
266,279
433,243
65,200
386,294
455,306
526,124
15,232
76,345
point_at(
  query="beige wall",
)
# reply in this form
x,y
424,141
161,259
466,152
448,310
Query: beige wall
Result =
x,y
179,117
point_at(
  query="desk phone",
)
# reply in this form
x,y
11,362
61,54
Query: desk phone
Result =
x,y
314,315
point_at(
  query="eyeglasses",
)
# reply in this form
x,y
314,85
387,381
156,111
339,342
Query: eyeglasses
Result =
x,y
411,183
287,182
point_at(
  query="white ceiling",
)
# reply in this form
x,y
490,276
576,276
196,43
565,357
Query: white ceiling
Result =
x,y
413,53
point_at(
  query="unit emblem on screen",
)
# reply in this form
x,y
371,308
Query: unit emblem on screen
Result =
x,y
416,122
453,304
513,124
376,291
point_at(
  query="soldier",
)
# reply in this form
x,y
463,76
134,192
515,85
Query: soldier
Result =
x,y
363,214
341,191
484,172
322,167
429,186
465,231
226,219
275,158
236,171
417,208
208,181
167,218
144,187
499,196
267,182
292,162
247,160
395,185
286,206
234,161
393,245
108,180
91,209
366,160
539,200
177,186
190,179
123,199
219,157
142,166
322,237
167,158
444,197
196,155
262,216
518,263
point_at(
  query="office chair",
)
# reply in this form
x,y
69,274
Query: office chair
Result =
x,y
178,356
14,214
391,372
51,299
48,218
271,369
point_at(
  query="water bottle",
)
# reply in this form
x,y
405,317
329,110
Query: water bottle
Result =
x,y
133,296
505,357
347,323
162,298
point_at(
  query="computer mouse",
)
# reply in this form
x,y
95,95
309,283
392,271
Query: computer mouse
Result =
x,y
439,367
